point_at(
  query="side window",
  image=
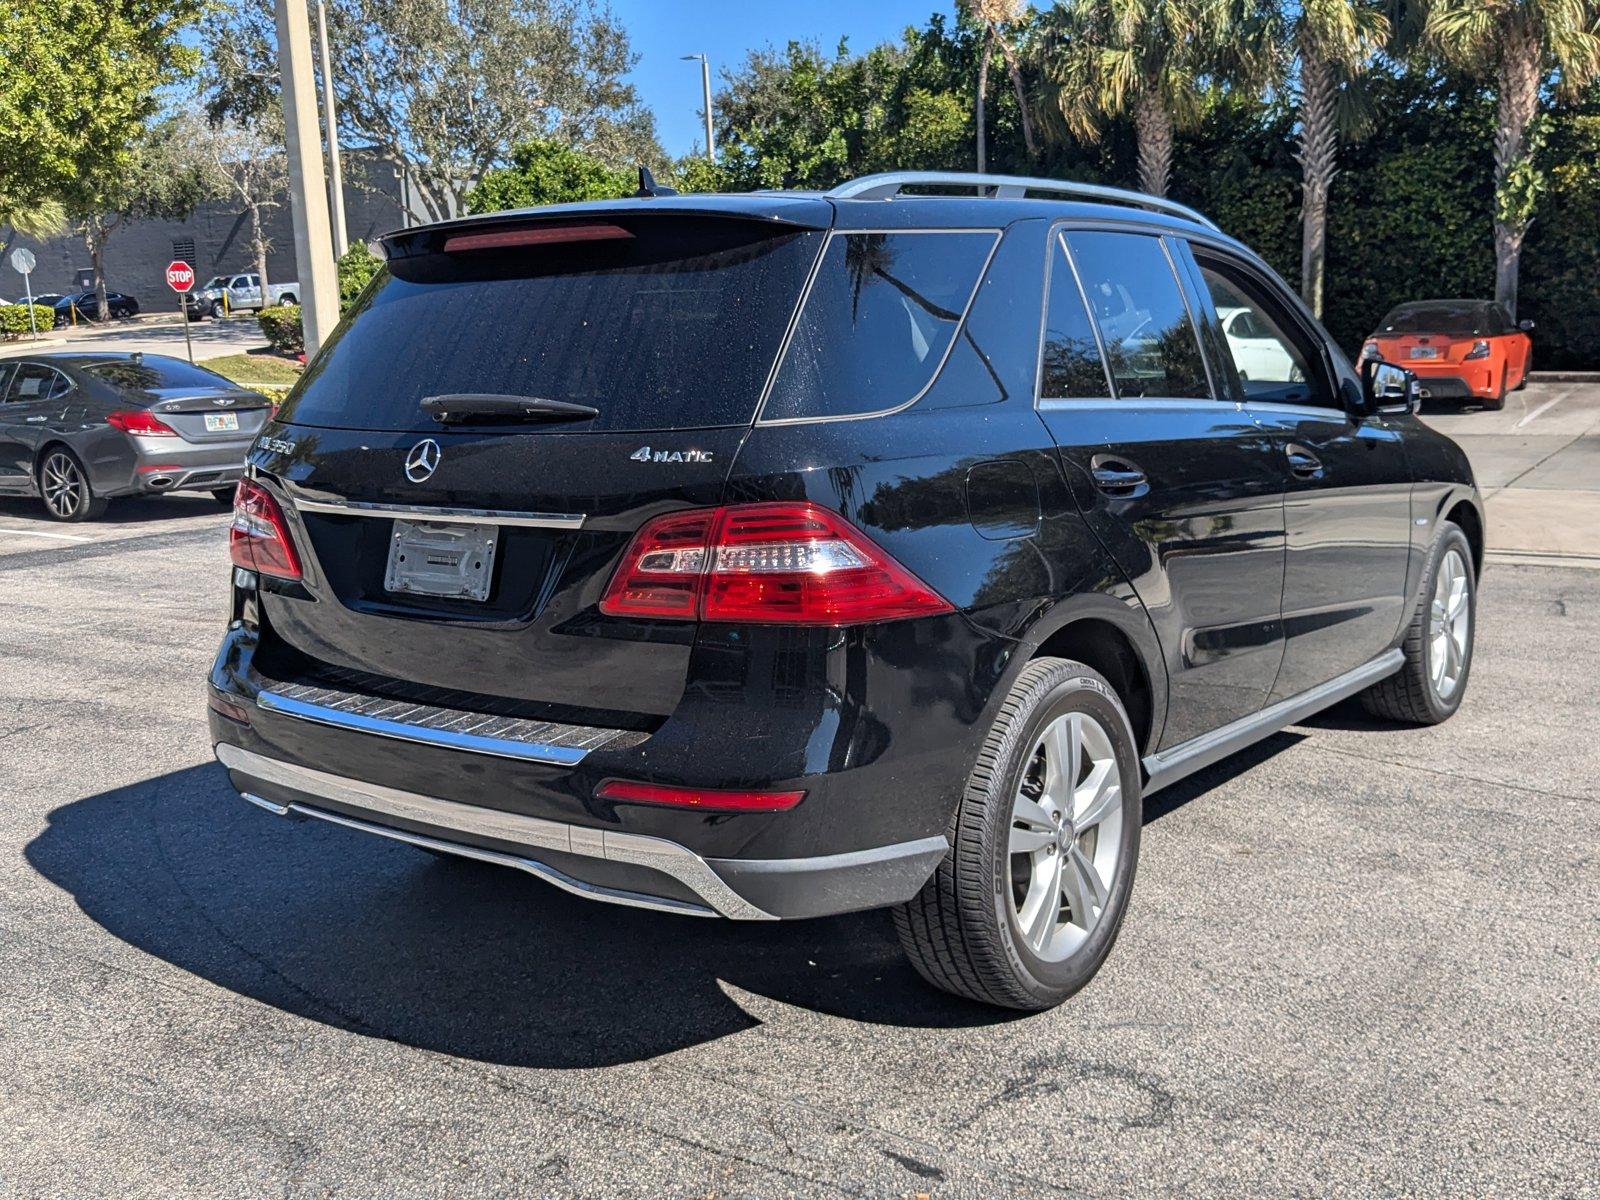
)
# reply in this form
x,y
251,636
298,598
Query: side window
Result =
x,y
877,323
1150,342
1275,359
1071,366
240,282
32,382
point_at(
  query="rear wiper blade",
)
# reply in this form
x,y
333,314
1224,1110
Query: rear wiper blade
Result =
x,y
485,406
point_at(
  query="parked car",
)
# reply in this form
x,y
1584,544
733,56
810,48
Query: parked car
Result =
x,y
1459,349
780,555
77,430
120,306
226,293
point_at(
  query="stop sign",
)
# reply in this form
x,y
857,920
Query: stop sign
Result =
x,y
180,276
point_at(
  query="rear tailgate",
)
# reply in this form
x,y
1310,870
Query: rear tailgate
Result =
x,y
666,324
212,415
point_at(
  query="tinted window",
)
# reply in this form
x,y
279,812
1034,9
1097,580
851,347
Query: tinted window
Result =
x,y
670,324
154,372
1071,364
1134,296
877,322
36,382
1272,357
1439,316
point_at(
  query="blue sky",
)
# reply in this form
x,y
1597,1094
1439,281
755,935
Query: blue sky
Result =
x,y
662,30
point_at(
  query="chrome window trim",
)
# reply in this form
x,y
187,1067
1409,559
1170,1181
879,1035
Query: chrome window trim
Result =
x,y
788,338
538,752
1058,238
421,512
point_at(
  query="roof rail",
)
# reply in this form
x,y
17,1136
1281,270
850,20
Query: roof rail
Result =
x,y
888,185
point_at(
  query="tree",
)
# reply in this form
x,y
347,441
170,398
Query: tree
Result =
x,y
245,163
160,177
996,16
1521,46
81,78
44,219
1104,59
448,90
1335,42
545,171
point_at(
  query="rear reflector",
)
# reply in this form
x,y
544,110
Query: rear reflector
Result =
x,y
706,799
783,563
137,421
543,235
227,708
259,539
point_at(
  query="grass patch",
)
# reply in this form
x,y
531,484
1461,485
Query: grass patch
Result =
x,y
250,369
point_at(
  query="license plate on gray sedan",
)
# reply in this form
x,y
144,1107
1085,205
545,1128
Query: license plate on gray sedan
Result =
x,y
221,422
433,558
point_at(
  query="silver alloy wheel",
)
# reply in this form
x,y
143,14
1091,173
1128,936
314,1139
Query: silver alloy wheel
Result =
x,y
1066,836
1449,626
62,485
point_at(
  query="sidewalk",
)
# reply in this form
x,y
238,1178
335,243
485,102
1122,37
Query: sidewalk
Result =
x,y
159,333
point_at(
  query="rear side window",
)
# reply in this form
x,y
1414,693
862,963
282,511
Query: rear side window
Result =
x,y
1071,366
661,323
36,382
1150,342
877,323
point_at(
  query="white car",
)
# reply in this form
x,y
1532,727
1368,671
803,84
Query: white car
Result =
x,y
1257,351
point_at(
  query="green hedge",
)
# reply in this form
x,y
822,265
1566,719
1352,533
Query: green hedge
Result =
x,y
280,325
14,320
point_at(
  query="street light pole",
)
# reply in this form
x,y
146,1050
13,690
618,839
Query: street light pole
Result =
x,y
308,198
331,116
705,84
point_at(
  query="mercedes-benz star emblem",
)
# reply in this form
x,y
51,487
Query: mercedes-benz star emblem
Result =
x,y
423,460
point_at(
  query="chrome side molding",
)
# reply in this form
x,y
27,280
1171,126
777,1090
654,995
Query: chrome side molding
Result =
x,y
371,800
1173,764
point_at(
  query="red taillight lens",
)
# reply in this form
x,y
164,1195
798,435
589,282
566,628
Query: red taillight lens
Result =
x,y
1480,349
781,564
708,799
137,421
259,539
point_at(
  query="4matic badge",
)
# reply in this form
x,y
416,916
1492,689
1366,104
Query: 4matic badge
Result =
x,y
645,454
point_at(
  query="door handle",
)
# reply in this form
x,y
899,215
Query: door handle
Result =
x,y
1302,463
1117,477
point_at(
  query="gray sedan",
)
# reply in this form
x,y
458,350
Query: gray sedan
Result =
x,y
77,430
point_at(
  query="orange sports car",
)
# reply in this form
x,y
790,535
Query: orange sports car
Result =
x,y
1459,349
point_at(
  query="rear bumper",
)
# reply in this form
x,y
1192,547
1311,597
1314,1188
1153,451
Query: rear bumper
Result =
x,y
1457,380
602,864
173,465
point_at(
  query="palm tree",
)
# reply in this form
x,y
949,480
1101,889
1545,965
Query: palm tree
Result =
x,y
996,16
1519,45
1334,41
43,219
1147,58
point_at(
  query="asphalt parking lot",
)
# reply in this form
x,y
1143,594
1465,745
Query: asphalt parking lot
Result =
x,y
1362,960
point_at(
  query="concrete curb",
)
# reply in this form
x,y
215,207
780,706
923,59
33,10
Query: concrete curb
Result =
x,y
1564,376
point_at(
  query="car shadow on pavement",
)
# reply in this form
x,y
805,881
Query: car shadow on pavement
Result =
x,y
459,957
127,510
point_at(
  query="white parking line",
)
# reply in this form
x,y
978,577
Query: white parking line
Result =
x,y
65,537
1545,407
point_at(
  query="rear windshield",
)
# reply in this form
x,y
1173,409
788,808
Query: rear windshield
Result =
x,y
153,373
660,323
1439,317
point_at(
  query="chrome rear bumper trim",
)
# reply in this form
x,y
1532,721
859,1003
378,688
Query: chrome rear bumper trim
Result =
x,y
532,833
539,752
419,512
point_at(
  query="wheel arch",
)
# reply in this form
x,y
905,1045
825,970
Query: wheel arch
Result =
x,y
1101,639
1465,515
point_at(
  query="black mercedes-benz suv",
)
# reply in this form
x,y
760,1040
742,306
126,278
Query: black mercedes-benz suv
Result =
x,y
785,554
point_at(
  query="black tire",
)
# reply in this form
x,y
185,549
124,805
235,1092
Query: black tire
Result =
x,y
1411,694
64,487
224,496
216,310
288,298
1497,403
960,931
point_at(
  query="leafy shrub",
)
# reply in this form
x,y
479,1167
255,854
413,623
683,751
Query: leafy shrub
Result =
x,y
14,320
544,171
280,325
356,268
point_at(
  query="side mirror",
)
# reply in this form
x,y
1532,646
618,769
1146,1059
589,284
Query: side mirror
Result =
x,y
1525,325
1386,388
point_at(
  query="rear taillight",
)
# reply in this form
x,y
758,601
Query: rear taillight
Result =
x,y
1480,349
137,421
1370,351
259,539
772,564
706,799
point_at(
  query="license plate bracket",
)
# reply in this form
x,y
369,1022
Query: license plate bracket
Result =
x,y
1424,352
222,422
437,558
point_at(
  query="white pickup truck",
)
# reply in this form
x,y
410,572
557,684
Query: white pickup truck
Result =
x,y
227,293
